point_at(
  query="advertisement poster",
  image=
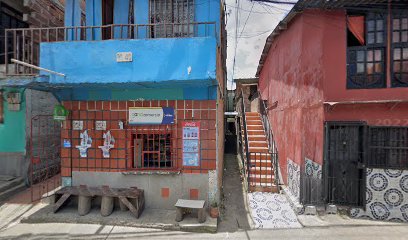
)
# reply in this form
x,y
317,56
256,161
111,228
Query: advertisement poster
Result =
x,y
154,115
191,144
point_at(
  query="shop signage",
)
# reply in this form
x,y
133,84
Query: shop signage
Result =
x,y
191,144
60,113
154,115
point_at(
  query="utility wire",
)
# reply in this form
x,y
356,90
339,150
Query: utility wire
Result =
x,y
276,2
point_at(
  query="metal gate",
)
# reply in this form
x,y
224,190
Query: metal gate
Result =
x,y
45,145
345,146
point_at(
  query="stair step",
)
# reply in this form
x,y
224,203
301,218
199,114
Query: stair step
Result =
x,y
257,178
257,138
260,188
258,144
261,171
255,127
257,165
256,132
254,122
260,156
258,150
251,114
253,119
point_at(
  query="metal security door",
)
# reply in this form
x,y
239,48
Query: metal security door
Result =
x,y
344,163
45,158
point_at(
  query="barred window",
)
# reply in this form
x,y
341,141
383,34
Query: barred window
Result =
x,y
400,50
153,150
388,147
366,68
366,57
171,18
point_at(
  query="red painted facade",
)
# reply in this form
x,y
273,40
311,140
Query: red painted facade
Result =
x,y
306,67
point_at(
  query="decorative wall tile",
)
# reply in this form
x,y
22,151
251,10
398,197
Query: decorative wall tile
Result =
x,y
313,169
77,125
270,210
386,196
293,178
100,125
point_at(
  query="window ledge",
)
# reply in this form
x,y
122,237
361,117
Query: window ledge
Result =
x,y
152,172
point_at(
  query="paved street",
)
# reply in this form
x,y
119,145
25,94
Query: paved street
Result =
x,y
233,224
84,231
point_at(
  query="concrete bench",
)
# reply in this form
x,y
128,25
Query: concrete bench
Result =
x,y
129,198
183,204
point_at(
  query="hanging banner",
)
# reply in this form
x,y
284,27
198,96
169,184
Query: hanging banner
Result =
x,y
191,144
154,115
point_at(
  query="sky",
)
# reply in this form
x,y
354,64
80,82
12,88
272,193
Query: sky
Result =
x,y
256,20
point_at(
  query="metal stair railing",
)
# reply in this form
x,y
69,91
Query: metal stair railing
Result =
x,y
270,139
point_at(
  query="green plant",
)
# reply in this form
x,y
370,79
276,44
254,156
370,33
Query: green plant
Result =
x,y
214,204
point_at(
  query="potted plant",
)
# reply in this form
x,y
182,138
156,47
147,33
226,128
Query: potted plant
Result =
x,y
214,212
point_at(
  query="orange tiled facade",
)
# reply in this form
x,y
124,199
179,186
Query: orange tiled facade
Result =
x,y
120,159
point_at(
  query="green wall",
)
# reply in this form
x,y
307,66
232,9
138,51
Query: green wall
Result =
x,y
13,130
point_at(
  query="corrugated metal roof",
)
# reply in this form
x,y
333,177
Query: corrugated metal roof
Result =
x,y
322,4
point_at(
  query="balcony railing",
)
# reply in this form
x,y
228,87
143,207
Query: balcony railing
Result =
x,y
23,44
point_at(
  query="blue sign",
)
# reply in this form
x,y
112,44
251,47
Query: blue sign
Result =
x,y
67,143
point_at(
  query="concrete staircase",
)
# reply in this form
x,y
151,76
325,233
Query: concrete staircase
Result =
x,y
261,175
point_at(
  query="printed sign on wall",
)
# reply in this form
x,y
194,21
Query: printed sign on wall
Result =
x,y
191,144
154,115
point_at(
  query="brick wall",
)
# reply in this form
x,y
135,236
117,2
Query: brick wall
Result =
x,y
121,155
44,13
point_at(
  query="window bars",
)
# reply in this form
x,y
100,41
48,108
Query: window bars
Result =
x,y
172,18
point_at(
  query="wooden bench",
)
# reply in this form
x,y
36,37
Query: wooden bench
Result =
x,y
183,204
129,198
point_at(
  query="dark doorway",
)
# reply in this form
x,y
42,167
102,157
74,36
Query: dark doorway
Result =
x,y
344,163
230,137
107,18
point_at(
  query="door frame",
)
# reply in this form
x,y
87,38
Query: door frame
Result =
x,y
363,184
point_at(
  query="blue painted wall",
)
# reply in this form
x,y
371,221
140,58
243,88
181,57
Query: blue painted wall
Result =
x,y
154,60
159,69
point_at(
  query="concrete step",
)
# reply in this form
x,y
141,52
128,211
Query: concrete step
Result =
x,y
4,185
12,191
257,144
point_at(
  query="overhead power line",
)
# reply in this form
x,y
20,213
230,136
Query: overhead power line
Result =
x,y
277,2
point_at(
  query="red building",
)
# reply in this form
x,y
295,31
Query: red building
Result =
x,y
335,77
